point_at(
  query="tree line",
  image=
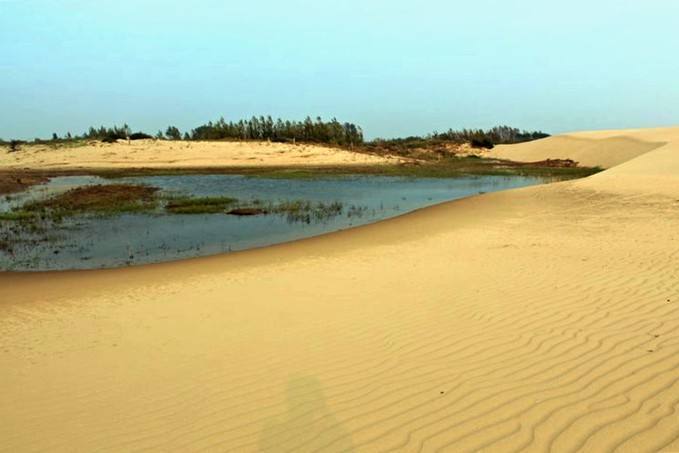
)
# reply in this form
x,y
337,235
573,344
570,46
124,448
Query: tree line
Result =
x,y
266,128
499,135
478,138
306,131
255,128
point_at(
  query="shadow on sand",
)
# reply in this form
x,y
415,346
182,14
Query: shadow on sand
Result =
x,y
308,423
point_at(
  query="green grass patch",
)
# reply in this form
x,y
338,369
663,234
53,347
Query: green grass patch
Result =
x,y
199,205
17,215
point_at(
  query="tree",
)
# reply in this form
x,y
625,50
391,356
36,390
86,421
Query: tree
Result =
x,y
173,133
482,142
14,145
55,137
139,136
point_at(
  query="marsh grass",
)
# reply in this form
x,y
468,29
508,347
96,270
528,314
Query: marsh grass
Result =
x,y
16,181
199,205
446,168
443,167
103,200
306,211
17,215
294,210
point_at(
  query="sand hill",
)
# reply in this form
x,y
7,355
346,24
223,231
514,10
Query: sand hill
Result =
x,y
180,154
590,149
540,319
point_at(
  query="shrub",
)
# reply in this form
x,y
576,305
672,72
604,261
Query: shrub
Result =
x,y
139,136
482,142
15,145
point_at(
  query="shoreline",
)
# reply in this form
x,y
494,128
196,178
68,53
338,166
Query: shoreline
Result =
x,y
308,242
540,318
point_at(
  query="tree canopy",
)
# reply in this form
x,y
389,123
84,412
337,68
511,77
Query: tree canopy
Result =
x,y
266,128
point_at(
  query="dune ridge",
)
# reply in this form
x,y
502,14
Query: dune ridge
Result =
x,y
538,319
161,154
603,149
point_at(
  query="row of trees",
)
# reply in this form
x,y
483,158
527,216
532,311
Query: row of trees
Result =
x,y
108,134
313,131
266,128
499,135
255,128
479,138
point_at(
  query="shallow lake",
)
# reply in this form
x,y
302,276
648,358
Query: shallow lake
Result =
x,y
86,242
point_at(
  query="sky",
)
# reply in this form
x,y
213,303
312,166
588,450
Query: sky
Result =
x,y
395,67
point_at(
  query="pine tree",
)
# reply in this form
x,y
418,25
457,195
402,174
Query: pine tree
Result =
x,y
173,133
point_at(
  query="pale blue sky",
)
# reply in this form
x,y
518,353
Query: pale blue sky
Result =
x,y
395,67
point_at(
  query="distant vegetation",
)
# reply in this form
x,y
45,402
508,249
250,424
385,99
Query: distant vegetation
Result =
x,y
500,135
477,138
15,145
331,132
265,128
111,134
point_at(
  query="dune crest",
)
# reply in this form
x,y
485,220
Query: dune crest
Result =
x,y
594,149
181,154
539,319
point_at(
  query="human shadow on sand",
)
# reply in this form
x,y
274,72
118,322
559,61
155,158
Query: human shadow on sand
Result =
x,y
308,423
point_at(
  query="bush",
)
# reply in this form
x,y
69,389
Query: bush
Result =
x,y
15,145
482,142
139,136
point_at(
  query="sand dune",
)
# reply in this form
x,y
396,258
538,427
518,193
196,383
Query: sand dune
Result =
x,y
590,149
179,154
540,319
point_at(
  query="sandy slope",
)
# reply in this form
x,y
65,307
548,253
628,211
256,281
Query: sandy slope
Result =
x,y
169,154
590,149
538,319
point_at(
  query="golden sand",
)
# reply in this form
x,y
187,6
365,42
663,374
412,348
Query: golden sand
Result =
x,y
538,319
181,154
